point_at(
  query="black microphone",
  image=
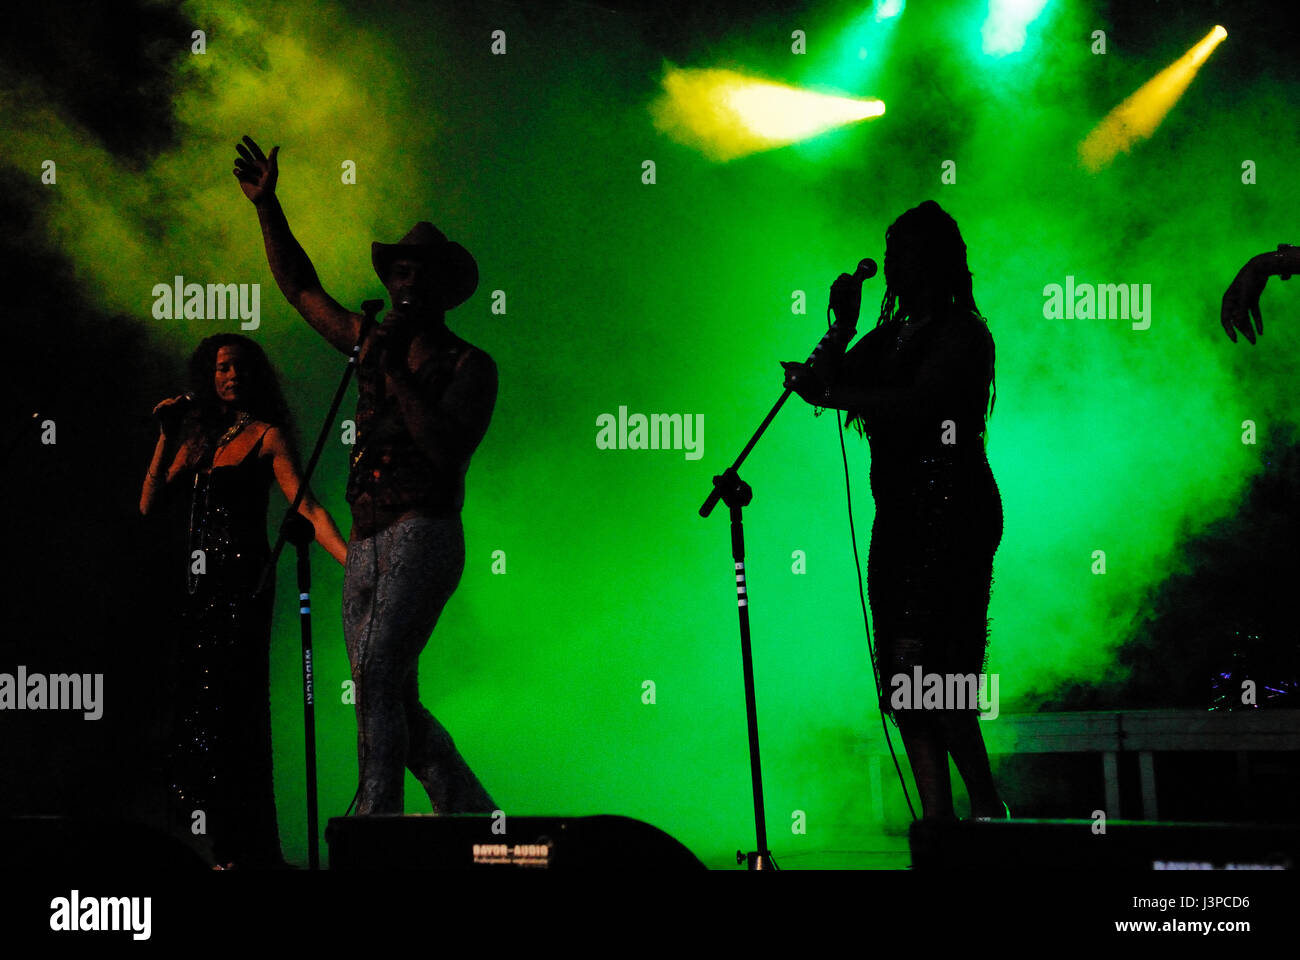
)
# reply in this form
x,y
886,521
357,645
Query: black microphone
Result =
x,y
405,304
841,331
368,311
176,411
841,290
401,321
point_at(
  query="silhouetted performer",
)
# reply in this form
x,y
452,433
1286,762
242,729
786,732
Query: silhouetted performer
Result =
x,y
425,398
917,385
222,445
1242,295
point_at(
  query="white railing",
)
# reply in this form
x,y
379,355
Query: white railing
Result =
x,y
1144,732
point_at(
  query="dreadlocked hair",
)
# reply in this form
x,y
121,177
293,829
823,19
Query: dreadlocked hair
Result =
x,y
924,249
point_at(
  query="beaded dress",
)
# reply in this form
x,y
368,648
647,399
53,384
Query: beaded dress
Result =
x,y
221,755
938,516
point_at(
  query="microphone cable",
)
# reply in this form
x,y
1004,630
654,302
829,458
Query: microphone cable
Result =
x,y
862,598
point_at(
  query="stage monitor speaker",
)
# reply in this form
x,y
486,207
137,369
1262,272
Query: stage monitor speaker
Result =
x,y
1038,845
67,843
470,843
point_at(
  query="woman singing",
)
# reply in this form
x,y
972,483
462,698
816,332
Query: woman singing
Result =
x,y
221,444
917,386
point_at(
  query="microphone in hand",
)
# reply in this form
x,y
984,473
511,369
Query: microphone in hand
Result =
x,y
846,294
169,413
393,340
812,380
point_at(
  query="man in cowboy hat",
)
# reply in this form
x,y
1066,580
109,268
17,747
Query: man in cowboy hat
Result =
x,y
425,398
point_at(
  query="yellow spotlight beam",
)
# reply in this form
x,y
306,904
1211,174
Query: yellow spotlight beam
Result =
x,y
725,114
1139,116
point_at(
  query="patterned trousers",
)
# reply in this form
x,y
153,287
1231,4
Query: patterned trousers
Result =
x,y
397,583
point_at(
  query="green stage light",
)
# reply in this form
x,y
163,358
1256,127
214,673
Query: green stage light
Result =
x,y
854,61
1004,28
888,9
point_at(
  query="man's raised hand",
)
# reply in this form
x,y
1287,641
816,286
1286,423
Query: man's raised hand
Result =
x,y
256,171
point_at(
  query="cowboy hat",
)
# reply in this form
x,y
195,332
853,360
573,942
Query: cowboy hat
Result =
x,y
456,273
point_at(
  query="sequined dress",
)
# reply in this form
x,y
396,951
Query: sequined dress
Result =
x,y
938,517
220,761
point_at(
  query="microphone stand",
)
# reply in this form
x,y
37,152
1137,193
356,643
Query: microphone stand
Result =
x,y
297,530
737,494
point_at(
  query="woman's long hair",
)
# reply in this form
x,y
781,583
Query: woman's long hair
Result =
x,y
262,397
924,250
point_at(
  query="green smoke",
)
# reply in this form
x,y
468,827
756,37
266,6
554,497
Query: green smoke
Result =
x,y
675,297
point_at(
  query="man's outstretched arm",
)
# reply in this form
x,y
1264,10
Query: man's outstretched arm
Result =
x,y
293,271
